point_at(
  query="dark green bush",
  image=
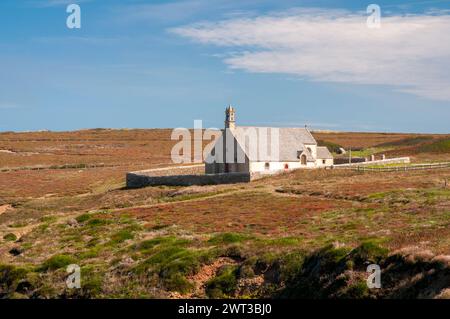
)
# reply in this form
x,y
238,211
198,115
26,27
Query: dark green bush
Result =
x,y
10,237
224,284
56,262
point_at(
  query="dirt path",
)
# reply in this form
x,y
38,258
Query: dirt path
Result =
x,y
4,208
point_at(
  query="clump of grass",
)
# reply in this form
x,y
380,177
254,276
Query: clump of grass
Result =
x,y
48,219
369,251
92,282
10,237
83,218
56,262
121,236
228,238
291,265
18,225
10,276
358,290
172,261
224,284
160,226
147,245
96,222
178,282
283,241
91,253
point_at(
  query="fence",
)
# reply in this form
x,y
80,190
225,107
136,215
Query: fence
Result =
x,y
399,168
396,160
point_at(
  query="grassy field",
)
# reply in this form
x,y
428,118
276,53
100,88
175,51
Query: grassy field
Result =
x,y
262,239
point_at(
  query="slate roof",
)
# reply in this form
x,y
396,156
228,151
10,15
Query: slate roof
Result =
x,y
291,142
323,153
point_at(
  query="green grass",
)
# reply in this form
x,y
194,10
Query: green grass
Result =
x,y
283,241
228,238
97,222
171,260
121,236
387,165
57,261
224,284
10,276
10,237
83,218
148,245
369,251
369,151
409,141
48,219
440,146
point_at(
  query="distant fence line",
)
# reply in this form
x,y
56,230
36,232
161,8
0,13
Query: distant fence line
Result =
x,y
398,168
396,160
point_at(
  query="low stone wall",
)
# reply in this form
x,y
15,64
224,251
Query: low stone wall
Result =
x,y
141,179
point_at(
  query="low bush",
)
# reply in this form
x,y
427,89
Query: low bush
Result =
x,y
56,262
10,237
224,284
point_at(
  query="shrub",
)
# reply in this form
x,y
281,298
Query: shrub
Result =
x,y
358,290
178,282
228,238
83,218
166,241
369,251
224,284
98,222
56,262
10,276
291,265
121,236
10,237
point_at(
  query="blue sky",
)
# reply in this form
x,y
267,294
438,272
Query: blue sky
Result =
x,y
155,64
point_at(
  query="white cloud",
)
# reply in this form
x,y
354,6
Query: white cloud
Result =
x,y
410,53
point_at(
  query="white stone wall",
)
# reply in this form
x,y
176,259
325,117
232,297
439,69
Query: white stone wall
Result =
x,y
260,167
328,162
313,148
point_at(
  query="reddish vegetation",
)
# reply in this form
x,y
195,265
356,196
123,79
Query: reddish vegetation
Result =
x,y
253,212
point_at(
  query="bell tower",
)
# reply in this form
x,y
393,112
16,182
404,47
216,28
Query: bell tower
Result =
x,y
230,117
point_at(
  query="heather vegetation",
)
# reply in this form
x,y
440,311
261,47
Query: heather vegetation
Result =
x,y
308,234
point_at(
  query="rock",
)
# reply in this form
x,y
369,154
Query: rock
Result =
x,y
72,222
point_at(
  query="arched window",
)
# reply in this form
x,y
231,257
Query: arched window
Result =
x,y
267,166
286,166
